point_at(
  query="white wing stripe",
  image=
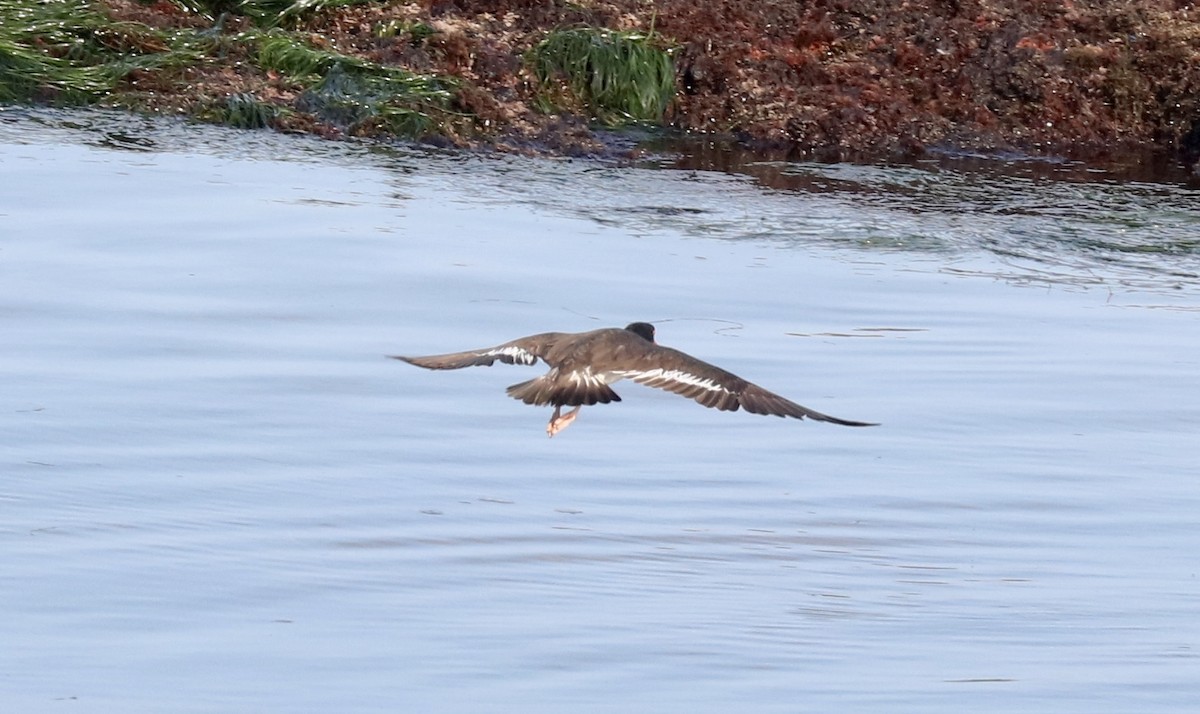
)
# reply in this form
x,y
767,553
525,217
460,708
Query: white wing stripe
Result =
x,y
659,377
519,355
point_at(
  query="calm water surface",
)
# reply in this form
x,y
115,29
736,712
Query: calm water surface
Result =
x,y
218,495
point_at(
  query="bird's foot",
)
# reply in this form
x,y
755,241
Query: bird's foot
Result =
x,y
560,422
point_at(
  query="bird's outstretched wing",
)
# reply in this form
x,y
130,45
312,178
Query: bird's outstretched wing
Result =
x,y
678,372
525,350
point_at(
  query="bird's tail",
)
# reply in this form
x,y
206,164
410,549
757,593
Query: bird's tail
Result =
x,y
541,391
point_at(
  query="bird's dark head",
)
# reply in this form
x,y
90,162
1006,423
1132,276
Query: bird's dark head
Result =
x,y
641,329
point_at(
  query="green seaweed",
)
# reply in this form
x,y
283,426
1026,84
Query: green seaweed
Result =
x,y
70,52
243,111
620,77
357,94
67,52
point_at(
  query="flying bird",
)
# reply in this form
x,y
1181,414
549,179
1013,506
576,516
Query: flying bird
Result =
x,y
584,364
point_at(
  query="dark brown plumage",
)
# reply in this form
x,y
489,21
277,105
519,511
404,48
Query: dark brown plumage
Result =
x,y
584,364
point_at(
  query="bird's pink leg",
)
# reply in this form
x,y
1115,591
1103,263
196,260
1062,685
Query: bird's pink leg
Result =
x,y
558,423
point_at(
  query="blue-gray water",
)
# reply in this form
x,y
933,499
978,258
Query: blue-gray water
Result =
x,y
218,495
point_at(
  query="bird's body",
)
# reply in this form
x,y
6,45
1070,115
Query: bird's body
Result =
x,y
583,365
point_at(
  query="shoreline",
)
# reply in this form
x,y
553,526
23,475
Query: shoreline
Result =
x,y
822,80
